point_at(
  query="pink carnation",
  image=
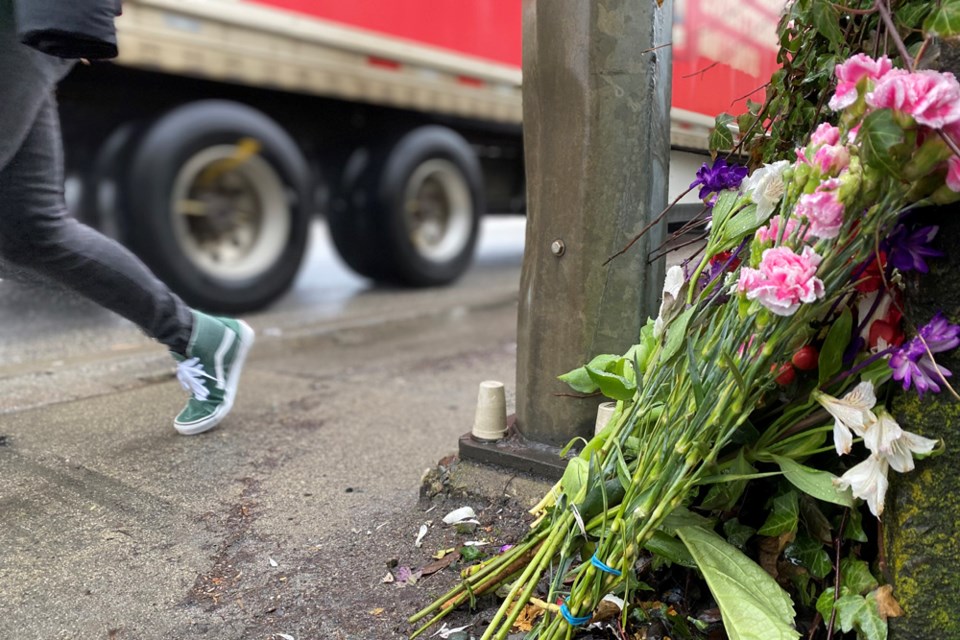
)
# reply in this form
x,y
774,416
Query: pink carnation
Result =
x,y
826,133
832,158
853,71
822,209
783,281
771,232
931,97
953,173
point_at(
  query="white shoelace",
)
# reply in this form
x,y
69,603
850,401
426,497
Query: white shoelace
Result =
x,y
190,373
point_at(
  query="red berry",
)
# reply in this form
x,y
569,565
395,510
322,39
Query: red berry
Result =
x,y
786,375
806,358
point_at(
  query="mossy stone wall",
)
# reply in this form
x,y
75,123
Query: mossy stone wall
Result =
x,y
922,516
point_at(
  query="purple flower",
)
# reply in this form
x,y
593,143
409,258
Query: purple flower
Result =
x,y
907,250
912,364
940,335
719,177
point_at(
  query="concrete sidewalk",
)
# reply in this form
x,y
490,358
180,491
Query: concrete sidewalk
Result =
x,y
284,520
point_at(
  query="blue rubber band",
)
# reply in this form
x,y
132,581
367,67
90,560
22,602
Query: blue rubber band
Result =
x,y
573,622
598,563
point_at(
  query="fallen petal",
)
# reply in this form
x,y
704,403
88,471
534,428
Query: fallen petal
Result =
x,y
459,515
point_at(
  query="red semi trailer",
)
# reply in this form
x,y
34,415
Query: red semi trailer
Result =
x,y
225,125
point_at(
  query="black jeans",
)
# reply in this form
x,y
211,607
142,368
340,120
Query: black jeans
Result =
x,y
35,229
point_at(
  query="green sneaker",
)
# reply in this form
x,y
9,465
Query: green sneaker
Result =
x,y
211,371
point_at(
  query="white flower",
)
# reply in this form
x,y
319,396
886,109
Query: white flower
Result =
x,y
852,414
766,187
868,481
885,438
672,285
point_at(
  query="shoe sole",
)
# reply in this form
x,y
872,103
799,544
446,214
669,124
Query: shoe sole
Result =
x,y
246,337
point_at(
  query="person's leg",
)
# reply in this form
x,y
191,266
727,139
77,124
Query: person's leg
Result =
x,y
37,232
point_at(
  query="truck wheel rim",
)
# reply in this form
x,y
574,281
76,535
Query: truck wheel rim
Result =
x,y
230,213
438,210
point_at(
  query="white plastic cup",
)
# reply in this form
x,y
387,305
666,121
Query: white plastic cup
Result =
x,y
604,413
490,422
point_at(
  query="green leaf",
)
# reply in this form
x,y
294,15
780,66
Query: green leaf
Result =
x,y
831,354
469,554
575,476
825,605
880,134
676,335
579,380
683,517
670,549
721,138
743,224
752,604
826,20
854,529
738,534
855,576
944,21
809,553
612,385
863,615
814,482
784,516
815,523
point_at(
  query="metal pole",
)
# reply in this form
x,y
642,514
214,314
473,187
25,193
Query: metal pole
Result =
x,y
596,114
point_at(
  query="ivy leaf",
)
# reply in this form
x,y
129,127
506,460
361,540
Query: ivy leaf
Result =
x,y
814,482
855,576
826,20
721,138
861,614
854,529
752,604
738,534
809,553
831,354
944,21
783,517
880,134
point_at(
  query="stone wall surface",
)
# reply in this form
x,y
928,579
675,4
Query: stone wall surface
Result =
x,y
922,516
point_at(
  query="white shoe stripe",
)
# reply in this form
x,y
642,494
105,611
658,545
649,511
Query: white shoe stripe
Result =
x,y
228,337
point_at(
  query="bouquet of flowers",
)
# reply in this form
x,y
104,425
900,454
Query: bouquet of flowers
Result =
x,y
787,332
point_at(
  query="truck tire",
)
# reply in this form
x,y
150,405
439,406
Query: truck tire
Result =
x,y
216,202
409,215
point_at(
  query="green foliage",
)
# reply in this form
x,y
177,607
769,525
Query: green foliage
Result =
x,y
784,516
809,553
752,604
831,354
854,613
814,482
881,139
944,20
721,138
814,37
738,534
